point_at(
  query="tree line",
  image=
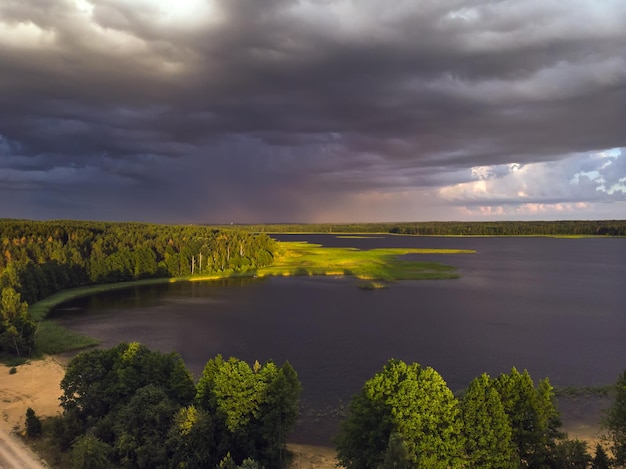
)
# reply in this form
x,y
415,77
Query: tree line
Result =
x,y
496,228
130,407
407,417
38,258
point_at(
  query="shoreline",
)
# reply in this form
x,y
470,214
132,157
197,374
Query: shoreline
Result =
x,y
375,268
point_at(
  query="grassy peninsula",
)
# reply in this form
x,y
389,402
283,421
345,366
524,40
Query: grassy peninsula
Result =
x,y
301,258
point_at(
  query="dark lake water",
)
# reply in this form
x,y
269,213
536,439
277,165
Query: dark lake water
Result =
x,y
556,307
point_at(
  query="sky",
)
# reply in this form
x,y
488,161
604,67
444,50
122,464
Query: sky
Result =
x,y
269,111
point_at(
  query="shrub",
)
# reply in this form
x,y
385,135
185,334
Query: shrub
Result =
x,y
33,424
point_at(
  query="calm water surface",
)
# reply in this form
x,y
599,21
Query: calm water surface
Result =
x,y
556,307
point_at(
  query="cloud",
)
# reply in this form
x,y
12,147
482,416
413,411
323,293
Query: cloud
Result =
x,y
276,109
566,185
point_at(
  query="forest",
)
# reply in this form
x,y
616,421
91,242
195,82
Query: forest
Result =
x,y
39,258
499,228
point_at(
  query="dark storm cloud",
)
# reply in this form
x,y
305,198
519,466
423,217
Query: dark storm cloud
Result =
x,y
275,109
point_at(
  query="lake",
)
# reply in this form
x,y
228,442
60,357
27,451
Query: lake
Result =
x,y
556,307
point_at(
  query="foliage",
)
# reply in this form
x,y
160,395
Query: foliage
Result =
x,y
488,433
142,409
533,416
191,439
17,329
141,427
616,421
38,258
396,455
100,384
570,454
33,424
496,228
404,402
601,460
254,408
89,452
229,463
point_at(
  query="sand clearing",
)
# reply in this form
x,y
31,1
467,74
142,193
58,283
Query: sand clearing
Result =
x,y
35,385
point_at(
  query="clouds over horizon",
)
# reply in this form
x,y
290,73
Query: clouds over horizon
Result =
x,y
285,110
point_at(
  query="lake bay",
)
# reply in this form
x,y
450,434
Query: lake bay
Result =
x,y
556,307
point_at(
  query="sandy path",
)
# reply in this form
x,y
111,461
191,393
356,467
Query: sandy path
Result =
x,y
15,455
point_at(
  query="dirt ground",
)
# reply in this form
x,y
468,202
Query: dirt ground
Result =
x,y
37,385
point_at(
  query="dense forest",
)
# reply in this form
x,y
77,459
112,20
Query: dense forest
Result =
x,y
500,228
38,258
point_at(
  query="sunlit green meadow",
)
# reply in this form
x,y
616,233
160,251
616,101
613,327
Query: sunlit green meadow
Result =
x,y
301,258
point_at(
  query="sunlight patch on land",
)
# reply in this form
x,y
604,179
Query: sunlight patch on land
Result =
x,y
301,258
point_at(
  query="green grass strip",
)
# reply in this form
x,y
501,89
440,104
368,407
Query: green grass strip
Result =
x,y
301,258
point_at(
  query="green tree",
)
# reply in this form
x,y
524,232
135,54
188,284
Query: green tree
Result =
x,y
601,460
488,434
396,456
191,439
141,428
533,416
616,421
570,454
33,424
254,407
413,402
98,383
17,329
89,452
229,463
278,411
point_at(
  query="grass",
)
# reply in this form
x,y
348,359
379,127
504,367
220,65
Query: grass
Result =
x,y
39,310
45,447
300,258
52,338
12,361
371,285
